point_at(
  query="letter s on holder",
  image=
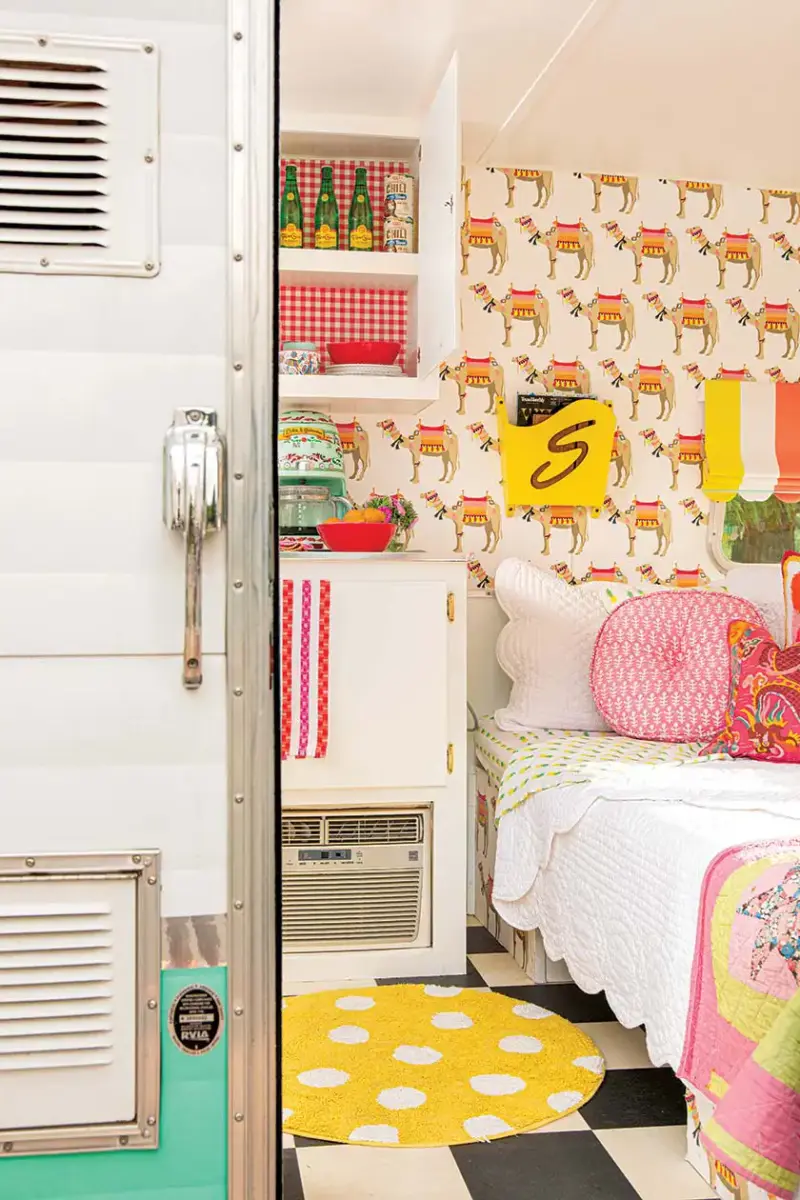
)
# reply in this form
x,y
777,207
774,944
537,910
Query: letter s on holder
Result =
x,y
194,498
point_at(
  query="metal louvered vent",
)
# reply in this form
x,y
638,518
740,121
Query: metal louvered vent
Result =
x,y
56,974
78,156
301,831
351,909
367,830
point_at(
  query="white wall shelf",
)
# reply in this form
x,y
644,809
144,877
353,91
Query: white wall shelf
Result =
x,y
348,268
358,394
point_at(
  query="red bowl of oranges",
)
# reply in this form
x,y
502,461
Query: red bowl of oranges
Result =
x,y
361,531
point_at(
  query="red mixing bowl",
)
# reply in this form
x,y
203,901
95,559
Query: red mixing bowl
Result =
x,y
361,537
378,354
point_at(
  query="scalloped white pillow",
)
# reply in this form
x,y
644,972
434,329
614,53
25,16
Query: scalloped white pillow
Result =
x,y
546,648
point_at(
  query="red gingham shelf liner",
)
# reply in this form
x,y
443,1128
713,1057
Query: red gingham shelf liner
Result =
x,y
309,171
322,315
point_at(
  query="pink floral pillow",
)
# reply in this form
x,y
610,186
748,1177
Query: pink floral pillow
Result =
x,y
763,716
661,664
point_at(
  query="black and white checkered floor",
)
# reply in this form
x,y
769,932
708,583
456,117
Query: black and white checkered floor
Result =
x,y
628,1141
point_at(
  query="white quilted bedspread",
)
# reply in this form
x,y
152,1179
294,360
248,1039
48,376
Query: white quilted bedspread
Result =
x,y
613,883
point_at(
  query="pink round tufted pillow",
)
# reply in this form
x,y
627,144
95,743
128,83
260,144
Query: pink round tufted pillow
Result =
x,y
661,664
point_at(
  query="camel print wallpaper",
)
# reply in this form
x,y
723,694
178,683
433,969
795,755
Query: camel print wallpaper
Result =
x,y
634,289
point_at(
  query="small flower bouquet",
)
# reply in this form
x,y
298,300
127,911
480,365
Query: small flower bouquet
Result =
x,y
400,513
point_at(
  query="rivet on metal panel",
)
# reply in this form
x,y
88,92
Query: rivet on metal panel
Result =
x,y
152,1004
148,266
137,858
151,1120
237,37
42,41
44,262
238,257
238,1116
237,691
30,862
148,49
238,798
123,1141
238,146
148,861
237,583
148,158
238,475
7,1146
238,905
237,366
146,1134
237,1012
151,879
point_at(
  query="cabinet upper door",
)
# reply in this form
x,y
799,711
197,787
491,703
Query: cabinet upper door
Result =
x,y
387,686
439,184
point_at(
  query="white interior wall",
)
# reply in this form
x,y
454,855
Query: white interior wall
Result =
x,y
100,747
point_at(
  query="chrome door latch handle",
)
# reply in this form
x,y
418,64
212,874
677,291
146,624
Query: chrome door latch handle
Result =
x,y
194,505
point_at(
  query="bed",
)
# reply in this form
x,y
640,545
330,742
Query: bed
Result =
x,y
579,908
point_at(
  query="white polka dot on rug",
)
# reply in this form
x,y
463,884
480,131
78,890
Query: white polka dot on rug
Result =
x,y
451,1020
561,1101
592,1062
531,1012
349,1035
417,1056
323,1077
355,1003
485,1127
519,1044
497,1085
387,1134
401,1097
437,989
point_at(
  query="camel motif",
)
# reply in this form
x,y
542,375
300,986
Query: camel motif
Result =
x,y
770,194
561,238
679,577
770,318
574,517
649,381
594,575
516,305
689,450
731,248
621,458
427,441
629,185
481,578
777,376
514,175
719,1173
487,888
688,314
483,437
739,375
486,232
787,250
604,310
711,191
660,244
482,822
652,515
557,376
355,442
476,373
695,512
469,512
522,941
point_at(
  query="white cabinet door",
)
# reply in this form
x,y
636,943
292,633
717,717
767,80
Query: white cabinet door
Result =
x,y
387,688
439,191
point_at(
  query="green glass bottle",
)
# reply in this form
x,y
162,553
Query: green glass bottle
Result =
x,y
360,221
326,214
291,218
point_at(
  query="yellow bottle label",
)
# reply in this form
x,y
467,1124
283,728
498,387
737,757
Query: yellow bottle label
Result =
x,y
291,237
290,195
325,238
361,238
325,197
360,199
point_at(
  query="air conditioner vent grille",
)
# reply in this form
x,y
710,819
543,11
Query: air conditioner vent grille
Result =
x,y
346,908
301,831
365,829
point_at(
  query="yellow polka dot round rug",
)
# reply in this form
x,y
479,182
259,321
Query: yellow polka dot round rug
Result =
x,y
424,1065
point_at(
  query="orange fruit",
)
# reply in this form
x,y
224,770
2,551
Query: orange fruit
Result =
x,y
374,516
352,516
331,521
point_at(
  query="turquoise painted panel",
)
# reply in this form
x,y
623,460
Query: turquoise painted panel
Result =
x,y
191,1160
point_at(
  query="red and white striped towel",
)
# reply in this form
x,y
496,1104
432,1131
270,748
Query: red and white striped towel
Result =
x,y
305,654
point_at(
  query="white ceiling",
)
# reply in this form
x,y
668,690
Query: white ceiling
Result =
x,y
683,88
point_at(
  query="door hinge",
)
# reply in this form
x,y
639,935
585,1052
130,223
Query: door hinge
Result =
x,y
451,758
451,606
